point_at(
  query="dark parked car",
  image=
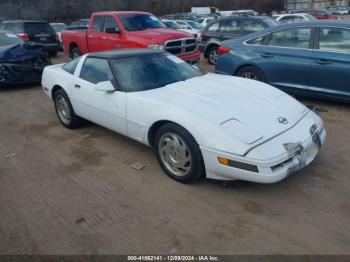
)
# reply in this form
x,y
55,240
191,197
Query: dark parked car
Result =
x,y
80,24
20,61
307,59
39,32
230,28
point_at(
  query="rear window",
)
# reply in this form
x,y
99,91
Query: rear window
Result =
x,y
271,22
37,28
9,39
58,27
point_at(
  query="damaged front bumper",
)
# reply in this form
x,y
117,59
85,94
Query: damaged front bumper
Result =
x,y
23,72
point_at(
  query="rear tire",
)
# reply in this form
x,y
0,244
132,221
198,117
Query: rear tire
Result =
x,y
251,72
178,154
65,112
213,55
75,52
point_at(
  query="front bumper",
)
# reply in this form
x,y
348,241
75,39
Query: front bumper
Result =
x,y
270,169
192,58
23,72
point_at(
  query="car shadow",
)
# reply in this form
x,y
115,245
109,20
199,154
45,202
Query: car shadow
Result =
x,y
19,87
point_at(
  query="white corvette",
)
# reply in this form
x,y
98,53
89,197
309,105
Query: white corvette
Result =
x,y
217,126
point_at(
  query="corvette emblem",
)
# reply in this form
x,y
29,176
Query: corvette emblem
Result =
x,y
283,120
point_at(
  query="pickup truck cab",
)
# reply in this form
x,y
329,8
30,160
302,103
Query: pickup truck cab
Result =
x,y
125,29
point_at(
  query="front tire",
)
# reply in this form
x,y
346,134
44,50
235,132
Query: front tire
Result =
x,y
178,154
251,72
64,110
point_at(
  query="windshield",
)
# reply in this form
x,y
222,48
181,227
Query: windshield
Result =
x,y
9,39
58,27
150,71
195,25
37,28
134,22
271,22
172,24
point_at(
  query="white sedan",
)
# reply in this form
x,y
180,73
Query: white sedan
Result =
x,y
294,18
221,127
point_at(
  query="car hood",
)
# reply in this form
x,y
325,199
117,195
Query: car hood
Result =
x,y
159,35
190,31
248,110
18,53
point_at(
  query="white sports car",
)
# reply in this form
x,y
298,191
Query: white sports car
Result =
x,y
221,127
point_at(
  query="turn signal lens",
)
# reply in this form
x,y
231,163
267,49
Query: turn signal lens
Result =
x,y
224,161
239,165
223,50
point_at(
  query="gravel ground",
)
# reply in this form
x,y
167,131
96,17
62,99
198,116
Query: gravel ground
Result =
x,y
74,192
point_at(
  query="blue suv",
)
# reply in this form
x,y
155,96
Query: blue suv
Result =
x,y
308,59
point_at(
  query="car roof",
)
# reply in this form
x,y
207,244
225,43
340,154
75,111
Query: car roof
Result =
x,y
296,14
24,21
127,52
245,17
119,13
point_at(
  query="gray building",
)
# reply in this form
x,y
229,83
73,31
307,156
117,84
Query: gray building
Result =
x,y
314,4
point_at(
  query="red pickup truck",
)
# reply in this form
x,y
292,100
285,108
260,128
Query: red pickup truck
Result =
x,y
114,30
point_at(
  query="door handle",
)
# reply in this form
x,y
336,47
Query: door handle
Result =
x,y
266,55
89,36
77,86
104,38
323,61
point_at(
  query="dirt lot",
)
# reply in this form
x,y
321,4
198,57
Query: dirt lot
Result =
x,y
74,192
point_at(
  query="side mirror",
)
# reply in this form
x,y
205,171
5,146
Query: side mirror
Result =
x,y
105,86
112,30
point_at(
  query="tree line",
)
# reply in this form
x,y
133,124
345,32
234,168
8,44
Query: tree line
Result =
x,y
74,9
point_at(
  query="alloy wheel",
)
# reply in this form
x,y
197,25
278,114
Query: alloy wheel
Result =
x,y
175,154
63,109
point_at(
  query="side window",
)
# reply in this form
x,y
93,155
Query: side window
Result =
x,y
256,41
96,70
7,27
252,26
334,39
183,25
291,19
231,27
18,27
71,66
2,27
299,19
110,23
97,25
296,38
214,27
